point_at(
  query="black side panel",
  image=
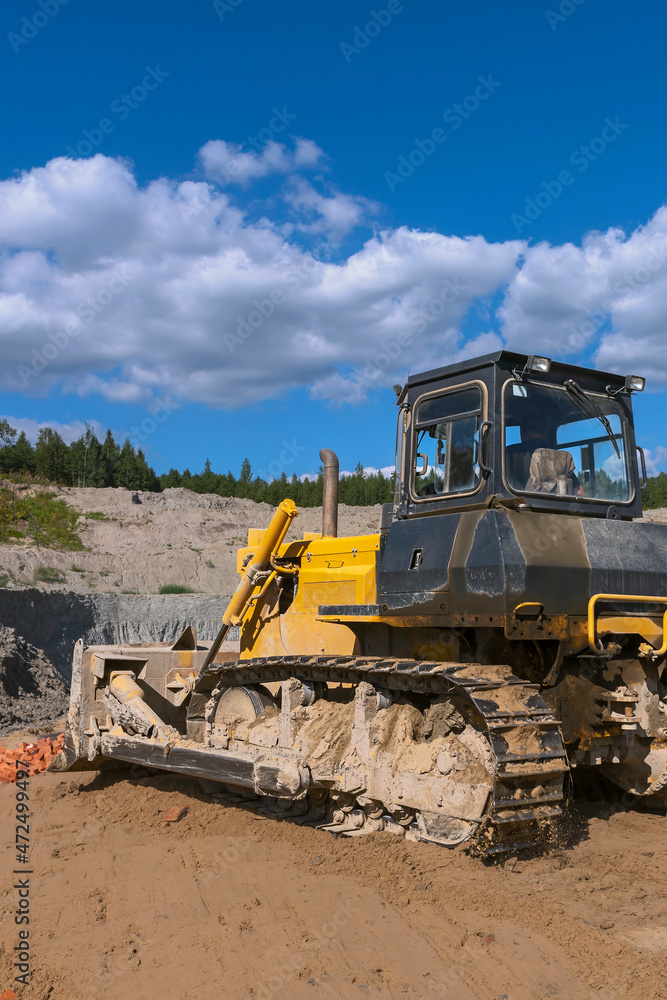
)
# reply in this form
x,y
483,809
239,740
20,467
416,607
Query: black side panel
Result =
x,y
558,570
487,562
488,567
399,586
627,558
495,563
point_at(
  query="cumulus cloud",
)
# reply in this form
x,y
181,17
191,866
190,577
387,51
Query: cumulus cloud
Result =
x,y
656,460
610,294
173,288
68,432
335,214
227,163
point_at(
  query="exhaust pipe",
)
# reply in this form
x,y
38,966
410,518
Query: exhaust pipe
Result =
x,y
330,494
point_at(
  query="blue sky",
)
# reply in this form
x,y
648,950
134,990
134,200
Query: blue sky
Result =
x,y
374,172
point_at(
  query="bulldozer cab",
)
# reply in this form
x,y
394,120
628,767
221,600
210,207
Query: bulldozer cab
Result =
x,y
550,436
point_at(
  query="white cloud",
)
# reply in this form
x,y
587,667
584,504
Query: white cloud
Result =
x,y
227,163
369,470
610,293
656,460
68,432
335,215
171,289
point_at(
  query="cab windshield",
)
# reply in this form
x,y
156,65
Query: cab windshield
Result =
x,y
556,443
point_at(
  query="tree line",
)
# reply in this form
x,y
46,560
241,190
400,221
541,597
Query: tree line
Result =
x,y
91,462
85,462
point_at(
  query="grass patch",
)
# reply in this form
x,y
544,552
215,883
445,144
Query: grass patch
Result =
x,y
23,478
41,518
97,515
175,588
47,574
4,580
129,591
210,564
77,569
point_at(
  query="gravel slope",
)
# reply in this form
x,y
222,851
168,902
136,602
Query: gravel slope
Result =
x,y
153,539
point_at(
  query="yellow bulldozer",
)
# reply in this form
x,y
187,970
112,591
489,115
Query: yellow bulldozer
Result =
x,y
441,678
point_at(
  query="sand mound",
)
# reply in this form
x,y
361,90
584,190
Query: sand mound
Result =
x,y
138,542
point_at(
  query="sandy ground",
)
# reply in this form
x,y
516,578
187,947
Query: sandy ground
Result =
x,y
226,905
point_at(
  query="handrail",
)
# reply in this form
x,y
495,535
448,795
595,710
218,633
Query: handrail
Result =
x,y
630,599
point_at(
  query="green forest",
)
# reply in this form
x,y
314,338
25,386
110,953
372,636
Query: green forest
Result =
x,y
91,462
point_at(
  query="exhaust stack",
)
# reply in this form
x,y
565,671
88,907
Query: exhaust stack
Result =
x,y
330,494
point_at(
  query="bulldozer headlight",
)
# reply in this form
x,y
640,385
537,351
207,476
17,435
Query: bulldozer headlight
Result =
x,y
635,383
537,364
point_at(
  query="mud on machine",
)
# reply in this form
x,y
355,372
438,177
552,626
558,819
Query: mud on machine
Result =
x,y
440,678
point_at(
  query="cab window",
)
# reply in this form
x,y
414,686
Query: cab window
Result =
x,y
556,444
447,443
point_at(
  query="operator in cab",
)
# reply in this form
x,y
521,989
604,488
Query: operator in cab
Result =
x,y
534,466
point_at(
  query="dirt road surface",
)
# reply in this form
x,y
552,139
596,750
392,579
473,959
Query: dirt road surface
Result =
x,y
226,905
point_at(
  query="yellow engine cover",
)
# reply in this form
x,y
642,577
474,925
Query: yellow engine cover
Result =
x,y
333,571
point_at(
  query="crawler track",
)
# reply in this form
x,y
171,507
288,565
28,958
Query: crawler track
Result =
x,y
530,761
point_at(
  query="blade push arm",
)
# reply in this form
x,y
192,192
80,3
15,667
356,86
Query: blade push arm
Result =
x,y
254,574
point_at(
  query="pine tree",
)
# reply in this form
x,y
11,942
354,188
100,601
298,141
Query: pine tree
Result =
x,y
109,459
23,455
50,454
170,479
7,433
145,477
245,479
17,457
126,472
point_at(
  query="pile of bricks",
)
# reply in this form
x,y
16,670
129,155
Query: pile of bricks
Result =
x,y
37,756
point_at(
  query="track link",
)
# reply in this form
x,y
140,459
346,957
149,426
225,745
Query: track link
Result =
x,y
524,735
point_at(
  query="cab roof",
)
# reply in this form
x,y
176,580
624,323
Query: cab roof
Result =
x,y
508,360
